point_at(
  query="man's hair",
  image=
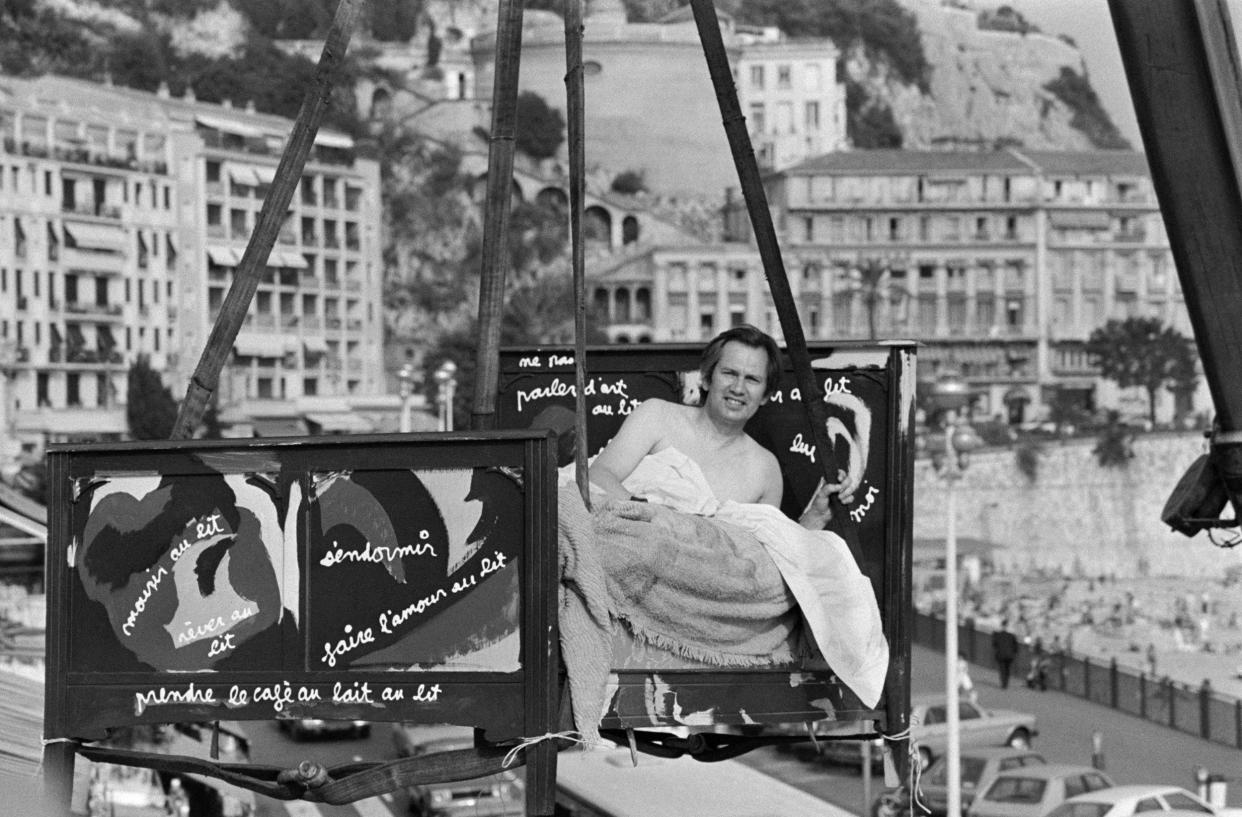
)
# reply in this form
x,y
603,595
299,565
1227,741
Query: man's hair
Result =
x,y
746,335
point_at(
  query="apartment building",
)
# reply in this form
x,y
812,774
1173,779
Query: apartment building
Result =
x,y
123,215
1001,262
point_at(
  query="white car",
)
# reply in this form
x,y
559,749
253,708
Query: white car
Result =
x,y
1126,801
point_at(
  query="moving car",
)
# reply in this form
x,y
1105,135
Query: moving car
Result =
x,y
979,766
929,731
1033,791
310,728
1125,801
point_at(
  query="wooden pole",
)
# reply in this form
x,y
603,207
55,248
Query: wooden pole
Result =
x,y
765,235
576,104
496,215
1181,65
206,378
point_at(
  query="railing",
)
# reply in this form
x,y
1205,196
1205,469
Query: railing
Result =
x,y
1194,709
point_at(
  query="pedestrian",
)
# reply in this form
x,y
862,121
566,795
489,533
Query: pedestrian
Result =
x,y
1037,675
1004,651
1151,659
965,686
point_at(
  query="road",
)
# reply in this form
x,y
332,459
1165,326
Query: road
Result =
x,y
1135,751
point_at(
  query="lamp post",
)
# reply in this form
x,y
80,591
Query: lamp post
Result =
x,y
406,376
950,453
446,382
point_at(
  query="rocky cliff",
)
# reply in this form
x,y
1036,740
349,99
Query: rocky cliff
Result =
x,y
987,86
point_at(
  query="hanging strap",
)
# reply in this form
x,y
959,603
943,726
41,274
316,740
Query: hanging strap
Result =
x,y
336,785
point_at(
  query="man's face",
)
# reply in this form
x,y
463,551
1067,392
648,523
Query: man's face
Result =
x,y
736,389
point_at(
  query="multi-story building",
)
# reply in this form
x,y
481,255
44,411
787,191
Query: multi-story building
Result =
x,y
123,215
650,105
1001,262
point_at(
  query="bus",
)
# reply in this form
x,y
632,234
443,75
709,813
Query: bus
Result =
x,y
605,783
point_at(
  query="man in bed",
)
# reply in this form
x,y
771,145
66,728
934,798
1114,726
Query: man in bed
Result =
x,y
740,370
707,566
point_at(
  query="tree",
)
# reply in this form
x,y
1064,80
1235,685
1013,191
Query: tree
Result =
x,y
873,282
540,128
1143,352
149,406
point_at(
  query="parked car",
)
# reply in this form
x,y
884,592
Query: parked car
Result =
x,y
1033,791
979,765
1125,801
929,731
312,728
490,796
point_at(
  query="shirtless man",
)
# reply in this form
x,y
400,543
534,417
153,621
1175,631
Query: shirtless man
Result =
x,y
740,370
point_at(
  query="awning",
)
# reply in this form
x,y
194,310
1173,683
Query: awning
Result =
x,y
97,236
243,175
290,344
266,175
103,337
1080,219
224,256
226,125
1017,395
293,260
279,427
315,346
57,338
248,345
334,140
340,423
76,338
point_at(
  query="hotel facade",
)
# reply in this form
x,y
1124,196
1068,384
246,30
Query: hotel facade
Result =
x,y
1002,263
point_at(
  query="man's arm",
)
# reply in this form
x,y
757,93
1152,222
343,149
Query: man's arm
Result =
x,y
637,437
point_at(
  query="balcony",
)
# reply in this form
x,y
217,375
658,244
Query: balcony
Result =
x,y
354,324
87,308
112,211
105,357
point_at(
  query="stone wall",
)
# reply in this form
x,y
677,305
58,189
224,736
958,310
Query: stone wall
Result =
x,y
1075,516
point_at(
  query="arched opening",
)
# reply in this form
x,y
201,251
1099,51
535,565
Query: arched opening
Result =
x,y
597,225
623,305
602,303
553,198
642,304
381,104
629,230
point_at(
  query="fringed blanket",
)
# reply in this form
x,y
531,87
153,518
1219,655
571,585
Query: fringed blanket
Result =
x,y
723,584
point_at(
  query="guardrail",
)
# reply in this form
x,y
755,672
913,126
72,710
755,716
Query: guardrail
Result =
x,y
1196,709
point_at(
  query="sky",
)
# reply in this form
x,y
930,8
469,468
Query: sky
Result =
x,y
1090,24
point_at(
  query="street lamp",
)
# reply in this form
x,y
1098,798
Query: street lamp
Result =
x,y
406,376
950,452
446,382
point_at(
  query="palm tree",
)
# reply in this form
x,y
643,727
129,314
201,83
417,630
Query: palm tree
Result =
x,y
872,279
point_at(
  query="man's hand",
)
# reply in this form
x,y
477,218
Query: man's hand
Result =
x,y
818,511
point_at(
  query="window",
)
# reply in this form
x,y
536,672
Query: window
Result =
x,y
1016,790
812,77
73,389
213,172
810,119
1147,804
783,77
758,123
934,715
756,77
1075,784
1178,800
